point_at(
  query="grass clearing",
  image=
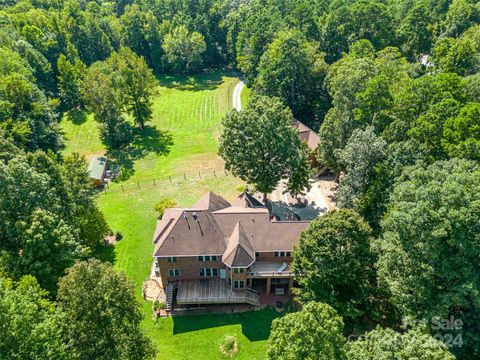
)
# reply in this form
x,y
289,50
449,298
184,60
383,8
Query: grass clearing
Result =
x,y
182,138
198,337
245,96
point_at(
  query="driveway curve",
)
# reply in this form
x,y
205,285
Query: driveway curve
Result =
x,y
237,100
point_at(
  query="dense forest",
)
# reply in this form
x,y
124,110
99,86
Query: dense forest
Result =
x,y
392,86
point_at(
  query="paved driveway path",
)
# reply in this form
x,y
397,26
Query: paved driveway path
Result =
x,y
237,101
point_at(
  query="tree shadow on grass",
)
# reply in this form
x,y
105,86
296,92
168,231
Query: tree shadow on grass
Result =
x,y
256,325
204,81
145,141
105,253
77,117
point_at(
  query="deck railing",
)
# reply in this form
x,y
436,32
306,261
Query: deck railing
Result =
x,y
247,296
270,274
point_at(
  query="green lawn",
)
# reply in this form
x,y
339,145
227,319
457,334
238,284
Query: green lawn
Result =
x,y
245,96
180,139
198,337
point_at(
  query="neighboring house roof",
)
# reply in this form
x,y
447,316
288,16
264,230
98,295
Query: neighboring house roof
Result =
x,y
178,233
97,167
239,251
306,134
211,202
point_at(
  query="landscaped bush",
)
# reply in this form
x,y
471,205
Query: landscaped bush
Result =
x,y
118,236
164,204
241,188
158,305
228,346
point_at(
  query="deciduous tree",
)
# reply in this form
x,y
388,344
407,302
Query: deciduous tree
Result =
x,y
103,95
315,332
183,50
429,247
293,70
260,145
359,157
31,325
70,76
389,344
101,313
333,264
137,84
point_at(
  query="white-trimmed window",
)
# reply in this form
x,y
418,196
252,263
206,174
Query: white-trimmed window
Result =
x,y
207,258
172,259
238,270
239,284
282,253
173,272
208,272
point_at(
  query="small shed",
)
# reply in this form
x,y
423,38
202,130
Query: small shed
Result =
x,y
96,170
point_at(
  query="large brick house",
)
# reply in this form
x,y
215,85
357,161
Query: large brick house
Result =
x,y
217,252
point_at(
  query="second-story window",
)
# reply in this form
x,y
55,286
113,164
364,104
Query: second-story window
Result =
x,y
172,259
238,270
282,253
207,258
173,272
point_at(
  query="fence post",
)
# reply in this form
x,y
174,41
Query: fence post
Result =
x,y
214,173
138,185
185,176
170,178
154,183
122,188
200,176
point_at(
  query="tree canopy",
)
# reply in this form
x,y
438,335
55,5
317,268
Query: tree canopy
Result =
x,y
315,332
260,146
430,242
389,344
333,264
102,315
31,325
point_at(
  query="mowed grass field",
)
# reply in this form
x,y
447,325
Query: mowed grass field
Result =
x,y
182,138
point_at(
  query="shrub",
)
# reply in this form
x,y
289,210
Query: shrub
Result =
x,y
228,346
164,204
241,188
158,305
118,236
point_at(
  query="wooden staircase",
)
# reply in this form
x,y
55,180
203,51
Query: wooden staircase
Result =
x,y
252,297
169,296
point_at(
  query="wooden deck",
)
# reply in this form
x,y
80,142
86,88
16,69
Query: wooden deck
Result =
x,y
212,291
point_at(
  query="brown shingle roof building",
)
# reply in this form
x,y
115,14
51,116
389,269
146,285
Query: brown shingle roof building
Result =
x,y
306,134
239,247
197,231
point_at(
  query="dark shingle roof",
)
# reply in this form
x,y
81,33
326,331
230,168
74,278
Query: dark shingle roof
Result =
x,y
179,234
211,202
239,251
